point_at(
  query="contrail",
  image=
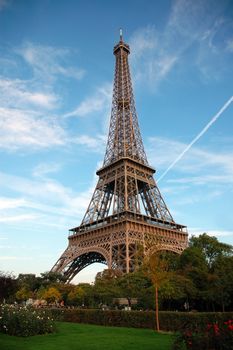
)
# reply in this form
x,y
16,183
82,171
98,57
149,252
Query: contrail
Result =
x,y
203,131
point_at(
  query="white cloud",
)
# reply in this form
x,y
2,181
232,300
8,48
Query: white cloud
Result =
x,y
17,218
41,196
142,40
99,101
27,105
191,25
19,93
216,233
2,258
229,45
197,197
48,62
42,99
190,18
163,151
198,167
199,135
11,203
94,143
151,61
43,169
226,179
24,117
88,106
21,128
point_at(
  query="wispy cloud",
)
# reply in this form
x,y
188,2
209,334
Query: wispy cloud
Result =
x,y
94,143
38,196
17,218
11,203
19,93
4,4
48,62
2,258
189,19
29,106
47,189
199,166
196,231
191,24
229,45
20,128
199,135
142,40
44,169
188,199
204,179
156,62
99,101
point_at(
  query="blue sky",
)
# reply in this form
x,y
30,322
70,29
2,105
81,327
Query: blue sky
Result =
x,y
56,74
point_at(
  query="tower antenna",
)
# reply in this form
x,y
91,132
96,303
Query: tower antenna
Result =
x,y
121,34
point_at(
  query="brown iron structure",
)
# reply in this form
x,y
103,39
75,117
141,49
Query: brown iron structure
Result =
x,y
126,210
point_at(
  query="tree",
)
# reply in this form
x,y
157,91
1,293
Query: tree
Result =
x,y
211,248
23,294
106,286
51,295
64,290
156,268
48,278
28,285
222,285
76,295
88,297
202,262
177,291
107,275
8,286
132,285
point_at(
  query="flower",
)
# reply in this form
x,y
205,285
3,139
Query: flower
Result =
x,y
216,329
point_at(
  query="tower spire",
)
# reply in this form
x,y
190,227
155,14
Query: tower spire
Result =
x,y
124,139
121,34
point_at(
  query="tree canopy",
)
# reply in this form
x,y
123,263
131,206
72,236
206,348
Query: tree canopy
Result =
x,y
201,277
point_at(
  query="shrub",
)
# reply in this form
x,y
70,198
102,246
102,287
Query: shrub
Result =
x,y
213,337
25,321
169,321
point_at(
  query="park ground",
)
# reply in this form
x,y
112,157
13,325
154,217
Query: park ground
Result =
x,y
75,336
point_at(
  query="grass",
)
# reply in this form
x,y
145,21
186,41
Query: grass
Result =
x,y
74,336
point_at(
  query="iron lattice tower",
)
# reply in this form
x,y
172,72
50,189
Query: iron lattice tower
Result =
x,y
126,210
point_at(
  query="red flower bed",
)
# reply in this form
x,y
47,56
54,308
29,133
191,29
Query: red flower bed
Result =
x,y
214,337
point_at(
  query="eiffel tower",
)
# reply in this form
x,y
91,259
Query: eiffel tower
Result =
x,y
126,210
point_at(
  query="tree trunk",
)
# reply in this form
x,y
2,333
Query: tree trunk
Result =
x,y
157,308
129,302
223,305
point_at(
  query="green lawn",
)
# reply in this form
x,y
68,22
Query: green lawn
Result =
x,y
74,336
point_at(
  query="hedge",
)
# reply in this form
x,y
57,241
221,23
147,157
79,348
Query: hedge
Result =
x,y
169,321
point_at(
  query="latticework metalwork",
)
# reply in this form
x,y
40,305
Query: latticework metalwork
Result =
x,y
126,209
124,138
